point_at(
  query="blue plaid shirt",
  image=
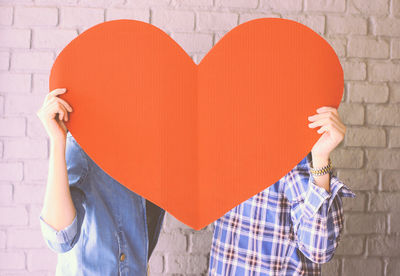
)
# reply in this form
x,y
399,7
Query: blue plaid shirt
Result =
x,y
290,228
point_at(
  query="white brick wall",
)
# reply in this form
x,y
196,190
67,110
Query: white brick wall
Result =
x,y
365,35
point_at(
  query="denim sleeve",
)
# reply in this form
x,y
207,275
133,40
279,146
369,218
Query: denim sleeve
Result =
x,y
317,214
64,240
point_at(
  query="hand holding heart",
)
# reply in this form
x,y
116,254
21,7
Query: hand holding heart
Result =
x,y
332,127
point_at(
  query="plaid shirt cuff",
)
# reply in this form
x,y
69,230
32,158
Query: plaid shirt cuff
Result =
x,y
62,236
319,199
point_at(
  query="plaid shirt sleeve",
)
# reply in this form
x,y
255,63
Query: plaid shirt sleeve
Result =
x,y
316,214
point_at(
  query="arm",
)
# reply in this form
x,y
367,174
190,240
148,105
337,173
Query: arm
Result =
x,y
58,218
58,209
316,214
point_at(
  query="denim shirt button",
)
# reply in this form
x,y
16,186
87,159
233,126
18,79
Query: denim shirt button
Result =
x,y
122,257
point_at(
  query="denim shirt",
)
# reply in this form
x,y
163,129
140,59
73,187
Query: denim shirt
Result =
x,y
114,231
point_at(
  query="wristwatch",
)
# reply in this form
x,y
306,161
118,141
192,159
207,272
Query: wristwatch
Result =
x,y
323,170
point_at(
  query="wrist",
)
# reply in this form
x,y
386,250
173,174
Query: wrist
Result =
x,y
319,161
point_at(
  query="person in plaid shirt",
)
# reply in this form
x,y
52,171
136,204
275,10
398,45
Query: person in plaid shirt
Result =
x,y
293,226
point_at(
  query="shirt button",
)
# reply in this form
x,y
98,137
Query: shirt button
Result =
x,y
122,257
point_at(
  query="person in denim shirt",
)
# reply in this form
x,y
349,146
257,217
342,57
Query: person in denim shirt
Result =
x,y
113,231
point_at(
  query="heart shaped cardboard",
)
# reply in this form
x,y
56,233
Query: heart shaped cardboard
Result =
x,y
197,140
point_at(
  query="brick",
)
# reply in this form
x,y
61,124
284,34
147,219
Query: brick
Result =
x,y
35,128
368,92
394,137
385,202
358,205
388,115
393,267
338,44
247,4
354,70
24,238
186,264
11,171
279,6
156,263
200,242
216,21
391,180
346,25
34,212
27,193
394,95
394,222
52,38
359,180
396,7
196,3
6,15
395,49
325,5
32,61
73,17
41,259
36,170
244,17
385,26
6,194
147,3
100,3
383,71
347,158
173,20
28,148
4,60
12,260
136,14
194,42
379,245
364,266
172,242
314,22
15,38
15,82
2,105
365,136
350,245
383,159
370,223
12,126
351,114
40,83
14,215
367,47
331,268
3,238
368,7
56,2
23,105
35,16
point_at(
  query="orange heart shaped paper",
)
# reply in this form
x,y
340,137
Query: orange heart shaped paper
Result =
x,y
197,140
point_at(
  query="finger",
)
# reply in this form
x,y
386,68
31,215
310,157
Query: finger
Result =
x,y
67,106
326,108
330,115
324,122
54,93
57,107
